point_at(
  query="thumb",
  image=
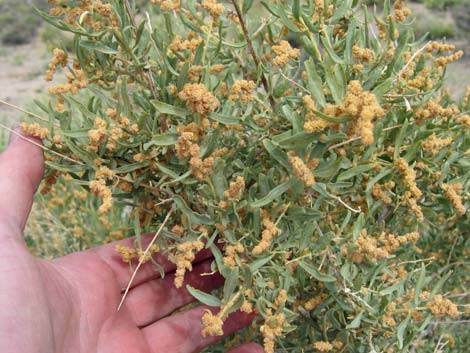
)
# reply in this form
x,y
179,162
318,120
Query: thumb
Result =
x,y
21,170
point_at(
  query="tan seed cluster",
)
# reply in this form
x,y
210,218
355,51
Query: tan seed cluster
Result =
x,y
364,55
100,189
453,193
185,255
212,324
76,80
230,252
236,188
271,329
35,130
191,44
313,122
409,175
284,52
323,346
301,170
168,5
379,193
434,144
242,91
267,236
367,248
439,306
401,12
59,58
213,7
198,98
363,108
446,60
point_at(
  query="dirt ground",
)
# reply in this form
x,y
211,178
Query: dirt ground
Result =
x,y
21,77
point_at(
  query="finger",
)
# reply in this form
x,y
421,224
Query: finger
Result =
x,y
157,298
22,167
182,332
248,348
147,271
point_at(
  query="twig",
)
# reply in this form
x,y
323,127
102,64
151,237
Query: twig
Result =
x,y
24,111
411,60
345,204
252,51
148,72
141,260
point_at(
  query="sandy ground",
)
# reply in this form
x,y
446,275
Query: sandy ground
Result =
x,y
21,77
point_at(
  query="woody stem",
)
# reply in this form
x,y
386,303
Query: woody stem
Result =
x,y
252,50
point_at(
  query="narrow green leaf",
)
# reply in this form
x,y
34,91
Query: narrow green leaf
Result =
x,y
203,297
193,217
316,274
272,195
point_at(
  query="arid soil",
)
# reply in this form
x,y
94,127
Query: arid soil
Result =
x,y
21,77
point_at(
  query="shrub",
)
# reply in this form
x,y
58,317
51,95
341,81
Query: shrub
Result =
x,y
462,17
332,191
18,21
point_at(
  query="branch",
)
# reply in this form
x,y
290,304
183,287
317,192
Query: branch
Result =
x,y
153,88
252,51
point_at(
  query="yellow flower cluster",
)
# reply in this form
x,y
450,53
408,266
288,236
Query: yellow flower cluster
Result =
x,y
247,306
446,60
84,13
281,298
363,108
212,324
128,254
301,170
99,188
168,5
76,80
422,80
367,248
59,58
313,122
439,47
230,253
392,243
213,8
185,255
267,236
439,306
198,98
242,90
323,346
191,44
271,329
453,193
434,144
314,302
412,203
201,168
379,193
401,12
409,175
236,188
284,52
464,120
97,135
35,130
433,109
364,55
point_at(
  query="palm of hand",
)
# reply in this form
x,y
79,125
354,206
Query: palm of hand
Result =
x,y
70,304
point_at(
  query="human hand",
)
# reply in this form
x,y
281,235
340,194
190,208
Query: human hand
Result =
x,y
69,304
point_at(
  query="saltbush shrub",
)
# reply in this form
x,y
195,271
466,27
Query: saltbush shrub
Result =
x,y
329,180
